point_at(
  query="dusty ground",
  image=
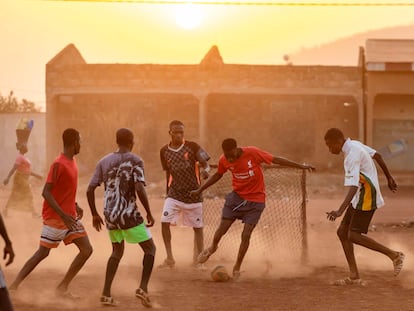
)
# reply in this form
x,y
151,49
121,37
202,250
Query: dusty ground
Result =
x,y
285,286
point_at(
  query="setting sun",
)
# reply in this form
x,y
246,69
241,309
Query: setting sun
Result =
x,y
188,16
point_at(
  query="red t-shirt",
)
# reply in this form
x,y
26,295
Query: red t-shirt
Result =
x,y
247,173
64,187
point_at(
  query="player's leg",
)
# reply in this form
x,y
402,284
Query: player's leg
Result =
x,y
193,217
140,234
358,236
170,213
148,262
166,237
112,265
244,246
250,214
41,253
198,243
224,226
5,301
85,251
49,238
343,233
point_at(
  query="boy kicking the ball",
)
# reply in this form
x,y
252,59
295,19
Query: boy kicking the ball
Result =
x,y
247,200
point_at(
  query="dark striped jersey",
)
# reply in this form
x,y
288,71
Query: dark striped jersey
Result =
x,y
183,170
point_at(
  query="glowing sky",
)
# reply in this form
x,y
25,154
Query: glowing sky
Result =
x,y
34,31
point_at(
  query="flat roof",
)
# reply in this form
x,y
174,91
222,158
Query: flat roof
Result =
x,y
389,51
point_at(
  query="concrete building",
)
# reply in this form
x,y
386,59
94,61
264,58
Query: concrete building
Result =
x,y
389,94
283,109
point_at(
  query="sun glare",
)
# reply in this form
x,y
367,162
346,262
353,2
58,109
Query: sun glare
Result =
x,y
188,16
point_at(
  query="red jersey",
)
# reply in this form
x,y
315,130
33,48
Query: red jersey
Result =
x,y
64,187
247,173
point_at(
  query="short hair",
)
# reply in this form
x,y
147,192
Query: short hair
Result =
x,y
124,137
334,134
69,136
175,123
229,144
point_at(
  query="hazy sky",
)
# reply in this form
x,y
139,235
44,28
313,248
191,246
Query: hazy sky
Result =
x,y
34,31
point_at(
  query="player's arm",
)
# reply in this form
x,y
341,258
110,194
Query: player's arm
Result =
x,y
7,179
96,219
202,158
332,215
391,182
166,169
167,181
143,198
8,249
286,162
210,181
50,199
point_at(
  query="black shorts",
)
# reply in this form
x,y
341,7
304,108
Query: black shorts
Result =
x,y
236,207
357,220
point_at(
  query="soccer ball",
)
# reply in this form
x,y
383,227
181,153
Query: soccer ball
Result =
x,y
219,274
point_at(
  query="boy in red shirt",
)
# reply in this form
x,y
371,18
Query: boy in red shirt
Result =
x,y
61,215
247,200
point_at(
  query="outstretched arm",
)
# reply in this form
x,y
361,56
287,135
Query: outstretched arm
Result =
x,y
142,195
289,163
8,249
211,181
391,182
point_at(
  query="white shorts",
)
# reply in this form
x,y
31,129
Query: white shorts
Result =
x,y
192,213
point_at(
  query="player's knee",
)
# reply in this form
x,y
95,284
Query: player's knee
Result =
x,y
117,253
42,253
150,249
342,233
87,251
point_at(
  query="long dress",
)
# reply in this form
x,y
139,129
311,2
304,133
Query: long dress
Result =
x,y
21,197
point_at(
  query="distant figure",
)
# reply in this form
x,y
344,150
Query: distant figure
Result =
x,y
21,196
122,174
181,160
5,302
247,200
361,202
61,215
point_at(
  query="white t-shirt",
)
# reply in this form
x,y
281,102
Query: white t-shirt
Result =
x,y
360,171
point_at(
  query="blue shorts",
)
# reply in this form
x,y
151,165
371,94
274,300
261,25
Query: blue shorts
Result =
x,y
235,207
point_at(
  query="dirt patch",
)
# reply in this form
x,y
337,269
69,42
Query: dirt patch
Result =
x,y
282,285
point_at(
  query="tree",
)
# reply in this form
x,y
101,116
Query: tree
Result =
x,y
11,104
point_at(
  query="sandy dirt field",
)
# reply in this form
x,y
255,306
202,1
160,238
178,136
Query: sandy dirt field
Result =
x,y
283,286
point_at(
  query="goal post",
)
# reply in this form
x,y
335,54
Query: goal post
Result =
x,y
281,230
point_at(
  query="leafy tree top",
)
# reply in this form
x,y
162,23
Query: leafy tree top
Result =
x,y
12,104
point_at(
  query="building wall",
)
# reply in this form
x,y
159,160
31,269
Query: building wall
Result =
x,y
283,109
390,114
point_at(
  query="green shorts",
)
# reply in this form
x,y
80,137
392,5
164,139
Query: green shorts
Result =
x,y
136,234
